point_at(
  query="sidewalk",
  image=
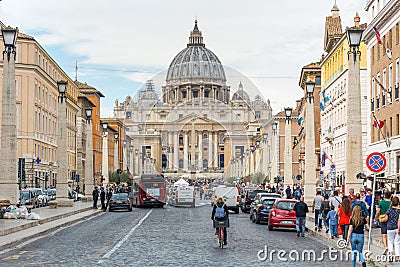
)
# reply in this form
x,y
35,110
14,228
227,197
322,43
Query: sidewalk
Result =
x,y
376,241
13,231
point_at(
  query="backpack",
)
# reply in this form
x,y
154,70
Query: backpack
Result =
x,y
297,194
220,212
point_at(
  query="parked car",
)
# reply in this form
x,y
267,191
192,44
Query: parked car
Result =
x,y
41,196
282,214
29,197
261,211
120,201
259,198
248,197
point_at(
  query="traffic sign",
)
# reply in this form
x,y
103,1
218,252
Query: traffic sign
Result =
x,y
333,166
376,162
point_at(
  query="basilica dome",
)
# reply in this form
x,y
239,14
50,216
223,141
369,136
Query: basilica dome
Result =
x,y
196,62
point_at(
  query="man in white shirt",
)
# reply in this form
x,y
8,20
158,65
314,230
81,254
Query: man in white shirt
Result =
x,y
335,200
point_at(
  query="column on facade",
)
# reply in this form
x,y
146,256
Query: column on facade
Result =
x,y
215,150
185,150
170,155
200,146
176,150
210,149
193,139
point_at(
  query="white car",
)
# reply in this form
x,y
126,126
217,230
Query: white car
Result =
x,y
230,195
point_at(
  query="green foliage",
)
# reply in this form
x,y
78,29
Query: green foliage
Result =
x,y
257,178
123,177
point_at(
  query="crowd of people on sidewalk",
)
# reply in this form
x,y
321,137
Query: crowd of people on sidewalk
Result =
x,y
348,216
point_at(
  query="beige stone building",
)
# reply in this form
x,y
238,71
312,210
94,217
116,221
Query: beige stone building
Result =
x,y
37,111
384,103
195,128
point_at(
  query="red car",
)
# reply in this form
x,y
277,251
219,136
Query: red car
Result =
x,y
282,214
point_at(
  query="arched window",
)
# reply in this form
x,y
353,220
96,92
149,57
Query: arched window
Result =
x,y
181,164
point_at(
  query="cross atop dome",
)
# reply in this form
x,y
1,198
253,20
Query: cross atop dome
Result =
x,y
195,39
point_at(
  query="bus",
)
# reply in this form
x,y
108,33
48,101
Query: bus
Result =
x,y
150,190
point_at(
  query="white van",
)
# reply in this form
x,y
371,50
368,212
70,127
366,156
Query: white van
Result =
x,y
184,196
230,195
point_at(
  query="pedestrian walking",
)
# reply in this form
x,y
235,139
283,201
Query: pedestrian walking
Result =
x,y
108,196
356,235
102,199
333,222
344,213
351,195
298,193
325,208
316,208
335,200
363,206
368,201
288,192
383,207
95,195
201,193
301,210
362,195
393,231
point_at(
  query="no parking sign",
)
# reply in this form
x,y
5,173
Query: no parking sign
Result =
x,y
376,162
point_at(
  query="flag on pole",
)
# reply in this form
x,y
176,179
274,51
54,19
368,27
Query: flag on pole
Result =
x,y
295,142
378,124
381,86
325,97
378,35
300,119
323,159
321,106
389,53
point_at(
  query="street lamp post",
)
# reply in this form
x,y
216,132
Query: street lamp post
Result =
x,y
89,179
104,166
310,157
288,148
116,160
124,154
9,150
275,157
62,155
354,160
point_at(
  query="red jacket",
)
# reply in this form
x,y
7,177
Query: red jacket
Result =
x,y
343,218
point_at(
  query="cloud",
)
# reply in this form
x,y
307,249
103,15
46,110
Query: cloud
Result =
x,y
259,38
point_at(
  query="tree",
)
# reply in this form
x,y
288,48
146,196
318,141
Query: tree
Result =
x,y
257,178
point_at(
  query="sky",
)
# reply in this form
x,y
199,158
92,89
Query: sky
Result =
x,y
119,45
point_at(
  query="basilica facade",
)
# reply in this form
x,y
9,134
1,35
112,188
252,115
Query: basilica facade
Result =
x,y
196,127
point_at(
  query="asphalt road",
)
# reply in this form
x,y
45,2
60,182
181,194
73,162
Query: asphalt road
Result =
x,y
165,237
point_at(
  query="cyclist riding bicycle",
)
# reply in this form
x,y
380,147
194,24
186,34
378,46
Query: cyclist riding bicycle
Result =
x,y
220,213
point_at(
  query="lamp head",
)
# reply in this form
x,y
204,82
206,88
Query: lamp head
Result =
x,y
288,112
105,126
354,36
88,112
310,87
9,36
116,136
62,87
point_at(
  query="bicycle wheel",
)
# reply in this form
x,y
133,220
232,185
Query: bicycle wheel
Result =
x,y
221,237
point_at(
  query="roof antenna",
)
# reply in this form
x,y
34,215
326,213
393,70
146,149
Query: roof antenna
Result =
x,y
76,70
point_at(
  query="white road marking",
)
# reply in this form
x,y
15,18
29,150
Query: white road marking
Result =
x,y
119,244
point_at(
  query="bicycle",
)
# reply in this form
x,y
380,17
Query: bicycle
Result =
x,y
220,226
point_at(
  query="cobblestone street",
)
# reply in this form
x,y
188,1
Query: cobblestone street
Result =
x,y
161,237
